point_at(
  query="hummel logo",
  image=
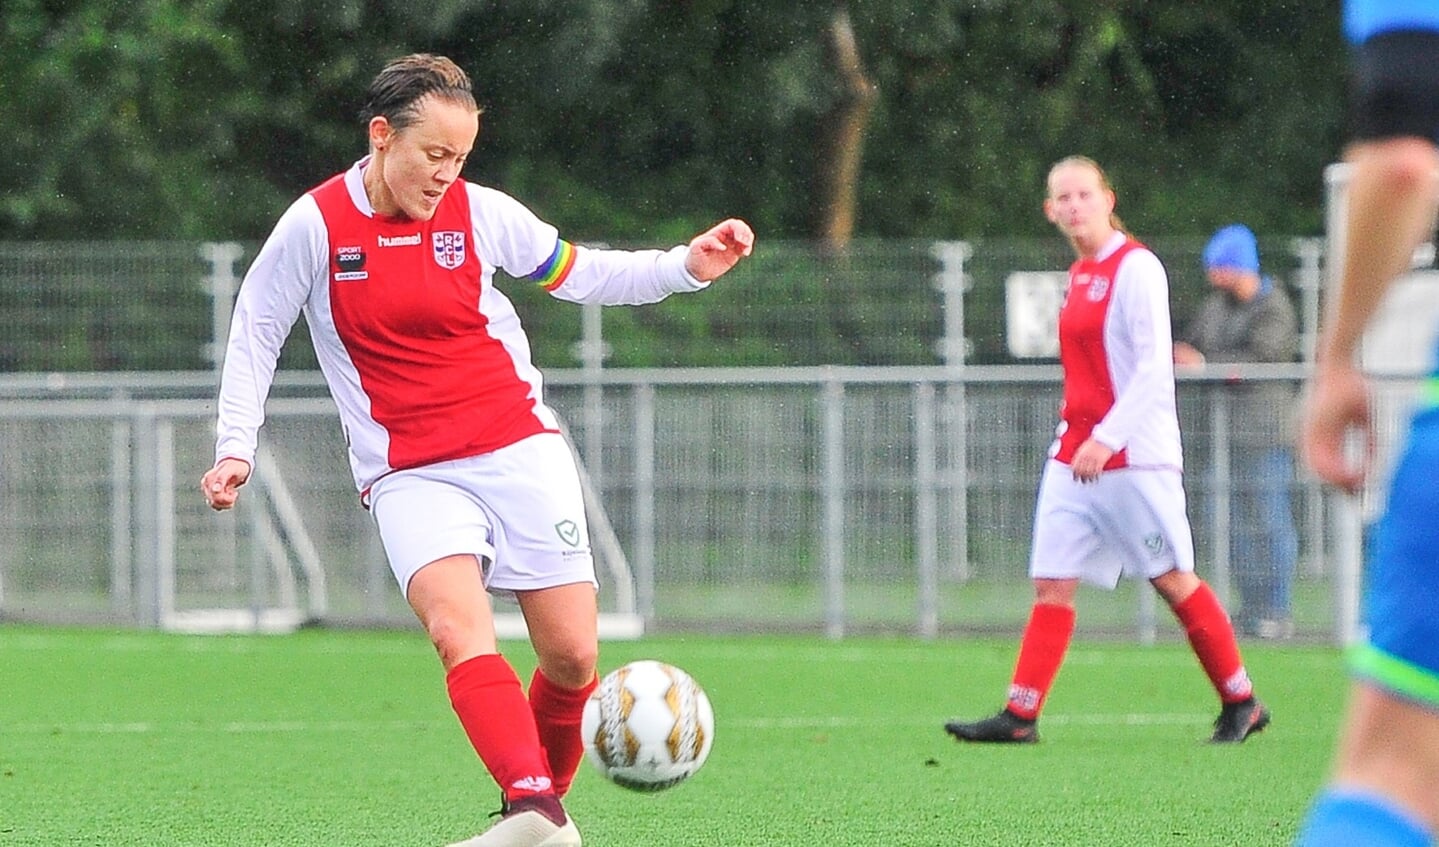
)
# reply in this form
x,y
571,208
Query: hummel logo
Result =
x,y
400,240
536,784
569,532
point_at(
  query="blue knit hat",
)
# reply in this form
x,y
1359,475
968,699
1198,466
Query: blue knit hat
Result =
x,y
1234,247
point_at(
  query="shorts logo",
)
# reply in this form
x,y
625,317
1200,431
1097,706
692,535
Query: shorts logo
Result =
x,y
449,248
1154,543
569,532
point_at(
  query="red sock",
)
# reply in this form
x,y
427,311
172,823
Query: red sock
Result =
x,y
557,717
1041,652
492,708
1212,637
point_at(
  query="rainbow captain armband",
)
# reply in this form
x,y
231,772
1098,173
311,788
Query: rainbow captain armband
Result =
x,y
552,272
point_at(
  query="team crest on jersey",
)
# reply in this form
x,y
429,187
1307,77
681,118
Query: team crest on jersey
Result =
x,y
449,248
1098,287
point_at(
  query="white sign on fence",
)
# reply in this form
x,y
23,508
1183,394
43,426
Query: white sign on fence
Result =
x,y
1031,307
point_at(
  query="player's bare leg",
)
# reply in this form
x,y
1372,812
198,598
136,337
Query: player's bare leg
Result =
x,y
563,625
1384,736
449,598
564,629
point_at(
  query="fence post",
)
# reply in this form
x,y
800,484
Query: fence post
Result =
x,y
591,353
1348,516
165,519
926,518
122,561
644,447
1220,496
148,606
1309,279
832,486
952,282
221,282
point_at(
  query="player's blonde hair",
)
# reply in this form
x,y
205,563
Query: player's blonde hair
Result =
x,y
1086,162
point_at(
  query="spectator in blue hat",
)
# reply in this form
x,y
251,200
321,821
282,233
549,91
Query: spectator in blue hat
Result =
x,y
1248,318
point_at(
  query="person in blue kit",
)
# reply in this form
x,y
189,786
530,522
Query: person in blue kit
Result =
x,y
1384,789
1249,318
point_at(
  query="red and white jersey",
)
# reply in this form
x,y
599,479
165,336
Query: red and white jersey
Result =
x,y
1117,352
424,357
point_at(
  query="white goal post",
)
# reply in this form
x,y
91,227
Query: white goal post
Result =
x,y
289,570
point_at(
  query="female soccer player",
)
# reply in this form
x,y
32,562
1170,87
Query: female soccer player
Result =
x,y
1111,498
452,448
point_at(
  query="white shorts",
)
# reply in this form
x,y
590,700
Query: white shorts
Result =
x,y
519,510
1130,522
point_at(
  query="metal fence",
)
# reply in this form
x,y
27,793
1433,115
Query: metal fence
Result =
x,y
159,306
882,479
830,499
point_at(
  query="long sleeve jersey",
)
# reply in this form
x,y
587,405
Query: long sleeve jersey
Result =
x,y
1115,347
424,357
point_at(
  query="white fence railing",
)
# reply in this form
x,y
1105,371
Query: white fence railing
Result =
x,y
822,499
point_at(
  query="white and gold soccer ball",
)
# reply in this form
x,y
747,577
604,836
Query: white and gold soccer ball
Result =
x,y
647,726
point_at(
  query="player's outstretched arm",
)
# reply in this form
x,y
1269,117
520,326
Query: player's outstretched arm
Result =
x,y
719,248
221,484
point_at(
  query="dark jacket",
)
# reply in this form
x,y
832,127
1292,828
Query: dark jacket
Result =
x,y
1264,329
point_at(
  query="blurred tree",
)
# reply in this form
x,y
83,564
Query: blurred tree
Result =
x,y
1201,113
114,129
643,120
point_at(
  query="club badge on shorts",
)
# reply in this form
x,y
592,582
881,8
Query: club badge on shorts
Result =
x,y
569,532
449,248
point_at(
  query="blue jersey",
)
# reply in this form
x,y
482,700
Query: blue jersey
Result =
x,y
1364,19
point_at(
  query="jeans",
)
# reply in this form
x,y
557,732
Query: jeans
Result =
x,y
1264,543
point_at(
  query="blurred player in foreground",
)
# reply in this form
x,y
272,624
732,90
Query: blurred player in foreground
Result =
x,y
1384,790
1111,499
454,452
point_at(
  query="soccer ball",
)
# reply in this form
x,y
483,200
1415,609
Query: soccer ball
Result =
x,y
647,726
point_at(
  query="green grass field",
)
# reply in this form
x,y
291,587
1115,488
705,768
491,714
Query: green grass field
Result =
x,y
346,738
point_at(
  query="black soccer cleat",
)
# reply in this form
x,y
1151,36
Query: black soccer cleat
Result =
x,y
1004,728
1238,721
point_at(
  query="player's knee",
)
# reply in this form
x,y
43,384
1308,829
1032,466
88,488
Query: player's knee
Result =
x,y
458,637
1176,586
572,666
